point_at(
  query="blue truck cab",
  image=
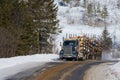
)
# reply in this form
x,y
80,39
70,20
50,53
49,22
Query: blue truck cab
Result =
x,y
69,49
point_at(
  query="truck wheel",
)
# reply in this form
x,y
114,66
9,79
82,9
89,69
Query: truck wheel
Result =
x,y
77,58
61,58
81,59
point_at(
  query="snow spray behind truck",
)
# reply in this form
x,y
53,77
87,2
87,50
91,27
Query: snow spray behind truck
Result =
x,y
80,48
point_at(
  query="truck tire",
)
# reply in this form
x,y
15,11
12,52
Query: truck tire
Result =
x,y
77,58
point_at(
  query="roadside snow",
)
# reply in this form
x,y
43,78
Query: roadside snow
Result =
x,y
105,71
11,66
97,72
113,73
116,67
8,62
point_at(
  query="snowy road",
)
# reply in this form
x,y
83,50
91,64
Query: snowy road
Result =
x,y
31,73
28,67
70,70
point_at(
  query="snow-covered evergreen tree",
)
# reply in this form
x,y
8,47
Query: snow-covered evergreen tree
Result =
x,y
106,40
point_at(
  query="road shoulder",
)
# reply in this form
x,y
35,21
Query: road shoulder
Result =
x,y
97,72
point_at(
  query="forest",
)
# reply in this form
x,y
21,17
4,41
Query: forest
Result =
x,y
27,27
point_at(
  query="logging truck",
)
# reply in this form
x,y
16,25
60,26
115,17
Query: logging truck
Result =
x,y
80,48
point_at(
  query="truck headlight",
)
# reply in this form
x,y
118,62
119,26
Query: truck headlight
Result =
x,y
61,51
75,48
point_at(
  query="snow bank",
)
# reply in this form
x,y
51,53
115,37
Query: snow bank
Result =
x,y
116,67
113,72
11,66
8,62
12,70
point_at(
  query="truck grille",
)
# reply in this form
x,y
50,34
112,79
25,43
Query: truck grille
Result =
x,y
67,50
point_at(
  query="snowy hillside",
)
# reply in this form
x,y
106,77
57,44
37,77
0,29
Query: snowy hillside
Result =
x,y
114,11
71,19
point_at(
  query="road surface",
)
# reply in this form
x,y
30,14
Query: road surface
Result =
x,y
67,70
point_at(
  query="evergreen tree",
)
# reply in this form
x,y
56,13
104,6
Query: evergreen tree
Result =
x,y
104,14
106,40
85,3
7,28
90,9
26,27
98,8
17,23
50,23
46,22
25,20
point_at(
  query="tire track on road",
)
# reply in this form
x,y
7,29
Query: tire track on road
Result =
x,y
56,71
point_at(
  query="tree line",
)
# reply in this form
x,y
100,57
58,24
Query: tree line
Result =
x,y
27,27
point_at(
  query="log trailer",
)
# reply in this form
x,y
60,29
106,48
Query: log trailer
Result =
x,y
80,48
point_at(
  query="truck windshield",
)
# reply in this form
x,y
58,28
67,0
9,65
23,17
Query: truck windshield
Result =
x,y
71,43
